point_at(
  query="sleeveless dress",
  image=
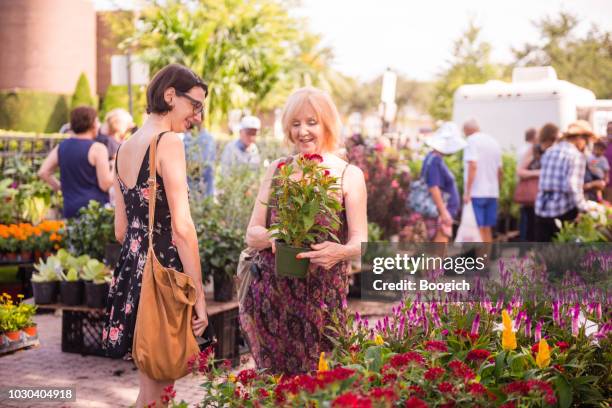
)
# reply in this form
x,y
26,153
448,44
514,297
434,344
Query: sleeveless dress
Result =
x,y
78,177
124,293
284,319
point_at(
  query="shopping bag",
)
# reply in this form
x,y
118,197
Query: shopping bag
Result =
x,y
468,228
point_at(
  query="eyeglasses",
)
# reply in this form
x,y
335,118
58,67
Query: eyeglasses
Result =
x,y
198,107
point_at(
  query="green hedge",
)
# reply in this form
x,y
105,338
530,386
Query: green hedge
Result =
x,y
33,111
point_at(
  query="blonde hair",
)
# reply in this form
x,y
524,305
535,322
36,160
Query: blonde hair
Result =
x,y
325,109
115,117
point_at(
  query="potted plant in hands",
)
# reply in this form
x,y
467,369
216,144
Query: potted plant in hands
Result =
x,y
45,283
97,281
307,211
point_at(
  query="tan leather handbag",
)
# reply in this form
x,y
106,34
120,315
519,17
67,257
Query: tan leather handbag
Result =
x,y
163,339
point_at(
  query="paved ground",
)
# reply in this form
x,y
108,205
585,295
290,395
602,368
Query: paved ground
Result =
x,y
100,382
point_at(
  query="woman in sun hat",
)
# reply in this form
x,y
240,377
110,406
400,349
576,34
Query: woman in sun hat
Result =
x,y
441,182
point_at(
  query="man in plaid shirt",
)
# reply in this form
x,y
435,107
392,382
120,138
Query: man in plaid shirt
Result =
x,y
560,193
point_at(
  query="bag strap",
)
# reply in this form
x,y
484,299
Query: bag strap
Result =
x,y
153,184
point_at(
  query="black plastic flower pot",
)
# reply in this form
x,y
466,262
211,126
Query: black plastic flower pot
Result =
x,y
224,286
286,263
45,292
71,293
96,294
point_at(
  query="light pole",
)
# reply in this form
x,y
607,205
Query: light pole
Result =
x,y
387,99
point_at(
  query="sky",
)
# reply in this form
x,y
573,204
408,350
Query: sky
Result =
x,y
416,37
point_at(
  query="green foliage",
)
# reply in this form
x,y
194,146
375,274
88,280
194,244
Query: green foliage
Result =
x,y
117,97
507,206
470,64
221,221
49,270
585,61
593,226
95,271
91,231
33,111
250,53
82,94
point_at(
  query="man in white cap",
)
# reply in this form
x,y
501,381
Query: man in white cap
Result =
x,y
243,151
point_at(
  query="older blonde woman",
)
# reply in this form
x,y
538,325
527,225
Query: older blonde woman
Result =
x,y
284,319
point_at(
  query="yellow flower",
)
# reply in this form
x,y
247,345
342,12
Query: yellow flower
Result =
x,y
276,378
232,377
543,356
323,366
508,336
378,340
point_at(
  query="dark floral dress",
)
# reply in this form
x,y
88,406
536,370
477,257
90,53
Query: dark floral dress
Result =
x,y
285,320
122,302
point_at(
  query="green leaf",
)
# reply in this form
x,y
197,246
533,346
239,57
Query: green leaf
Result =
x,y
564,391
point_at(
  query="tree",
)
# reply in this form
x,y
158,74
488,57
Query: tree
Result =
x,y
470,64
82,93
251,53
584,61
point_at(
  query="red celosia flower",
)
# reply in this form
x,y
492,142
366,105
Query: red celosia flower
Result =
x,y
326,173
435,345
417,390
478,355
446,387
414,402
535,348
351,400
389,378
476,389
337,374
355,348
523,387
227,364
263,393
401,360
246,376
448,404
383,393
280,165
433,373
314,157
460,369
558,368
509,404
562,345
168,394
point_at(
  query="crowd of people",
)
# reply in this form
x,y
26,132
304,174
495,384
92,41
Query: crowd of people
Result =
x,y
557,181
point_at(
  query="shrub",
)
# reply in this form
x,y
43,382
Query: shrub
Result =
x,y
117,97
82,94
33,111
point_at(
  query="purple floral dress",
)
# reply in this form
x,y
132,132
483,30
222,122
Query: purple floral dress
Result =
x,y
285,320
122,302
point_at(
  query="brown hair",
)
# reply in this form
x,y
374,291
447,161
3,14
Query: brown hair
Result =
x,y
82,118
176,76
548,133
600,144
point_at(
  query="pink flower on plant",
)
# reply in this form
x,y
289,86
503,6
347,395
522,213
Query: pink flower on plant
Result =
x,y
475,325
280,165
394,184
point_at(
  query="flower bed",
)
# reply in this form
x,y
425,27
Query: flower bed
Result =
x,y
17,329
27,242
515,353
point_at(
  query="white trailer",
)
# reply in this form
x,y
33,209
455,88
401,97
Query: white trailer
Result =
x,y
534,97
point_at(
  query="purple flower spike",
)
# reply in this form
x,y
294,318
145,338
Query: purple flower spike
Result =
x,y
475,325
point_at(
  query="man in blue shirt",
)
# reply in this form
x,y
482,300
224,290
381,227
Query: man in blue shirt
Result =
x,y
243,151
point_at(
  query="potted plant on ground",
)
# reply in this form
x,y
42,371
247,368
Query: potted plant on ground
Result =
x,y
26,323
9,319
307,211
45,283
97,281
71,286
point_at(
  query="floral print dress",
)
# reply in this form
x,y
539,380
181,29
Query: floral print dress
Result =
x,y
122,302
285,320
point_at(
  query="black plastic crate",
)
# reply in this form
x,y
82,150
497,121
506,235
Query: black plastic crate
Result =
x,y
82,332
225,325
